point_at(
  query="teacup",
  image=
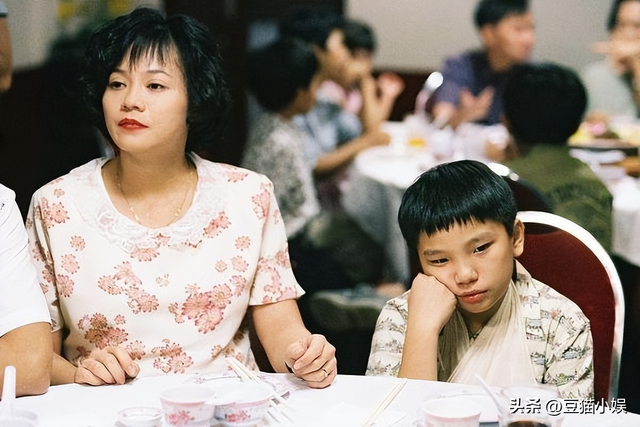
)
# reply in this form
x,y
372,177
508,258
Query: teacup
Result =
x,y
188,405
241,404
455,411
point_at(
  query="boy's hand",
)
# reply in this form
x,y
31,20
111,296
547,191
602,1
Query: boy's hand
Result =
x,y
390,84
431,303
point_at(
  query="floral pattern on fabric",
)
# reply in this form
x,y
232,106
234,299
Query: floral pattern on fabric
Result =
x,y
175,296
558,338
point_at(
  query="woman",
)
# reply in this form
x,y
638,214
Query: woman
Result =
x,y
613,83
151,259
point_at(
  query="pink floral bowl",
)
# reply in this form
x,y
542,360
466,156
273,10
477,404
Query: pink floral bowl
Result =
x,y
241,404
188,405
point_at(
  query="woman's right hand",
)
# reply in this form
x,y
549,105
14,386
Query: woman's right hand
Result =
x,y
109,365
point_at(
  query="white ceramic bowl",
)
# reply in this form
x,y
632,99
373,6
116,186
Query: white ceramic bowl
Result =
x,y
140,417
456,411
241,404
191,405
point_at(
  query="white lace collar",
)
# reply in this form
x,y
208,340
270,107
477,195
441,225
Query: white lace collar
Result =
x,y
98,211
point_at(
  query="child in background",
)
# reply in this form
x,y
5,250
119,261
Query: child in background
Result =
x,y
283,78
475,309
541,152
370,98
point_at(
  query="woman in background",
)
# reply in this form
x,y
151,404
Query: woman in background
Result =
x,y
613,84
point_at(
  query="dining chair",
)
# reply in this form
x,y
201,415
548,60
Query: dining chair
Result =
x,y
568,258
528,197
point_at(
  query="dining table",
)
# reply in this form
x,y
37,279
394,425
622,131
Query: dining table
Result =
x,y
350,401
378,177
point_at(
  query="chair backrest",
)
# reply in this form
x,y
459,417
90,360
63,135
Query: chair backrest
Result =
x,y
528,197
566,257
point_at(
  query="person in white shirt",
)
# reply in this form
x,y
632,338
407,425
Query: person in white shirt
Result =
x,y
25,331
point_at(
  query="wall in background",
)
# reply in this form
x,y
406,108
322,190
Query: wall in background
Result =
x,y
419,34
35,25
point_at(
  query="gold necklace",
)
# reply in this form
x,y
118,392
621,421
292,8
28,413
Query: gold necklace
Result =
x,y
177,213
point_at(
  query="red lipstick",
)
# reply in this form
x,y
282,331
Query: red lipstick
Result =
x,y
131,124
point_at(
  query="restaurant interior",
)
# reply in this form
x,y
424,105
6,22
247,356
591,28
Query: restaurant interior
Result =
x,y
44,133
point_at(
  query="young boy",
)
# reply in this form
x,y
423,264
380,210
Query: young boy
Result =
x,y
335,136
360,93
283,78
475,309
540,134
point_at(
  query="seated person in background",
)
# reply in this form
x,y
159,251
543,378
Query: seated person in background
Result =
x,y
543,106
335,136
153,260
613,84
475,309
283,77
474,81
369,97
25,325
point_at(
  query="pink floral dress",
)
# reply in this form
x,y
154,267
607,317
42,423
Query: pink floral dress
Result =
x,y
176,296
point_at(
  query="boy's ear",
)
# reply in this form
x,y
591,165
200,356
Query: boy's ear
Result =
x,y
518,238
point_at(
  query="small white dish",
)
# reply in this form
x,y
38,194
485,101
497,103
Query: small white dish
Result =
x,y
455,411
140,417
489,411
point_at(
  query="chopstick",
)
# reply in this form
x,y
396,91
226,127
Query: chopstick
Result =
x,y
275,415
387,400
247,375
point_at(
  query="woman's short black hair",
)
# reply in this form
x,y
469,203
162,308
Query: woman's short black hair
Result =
x,y
147,32
455,193
490,12
275,72
543,103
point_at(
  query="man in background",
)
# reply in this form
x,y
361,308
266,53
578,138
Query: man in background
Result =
x,y
474,80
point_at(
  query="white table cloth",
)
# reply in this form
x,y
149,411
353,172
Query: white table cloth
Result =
x,y
626,219
348,402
